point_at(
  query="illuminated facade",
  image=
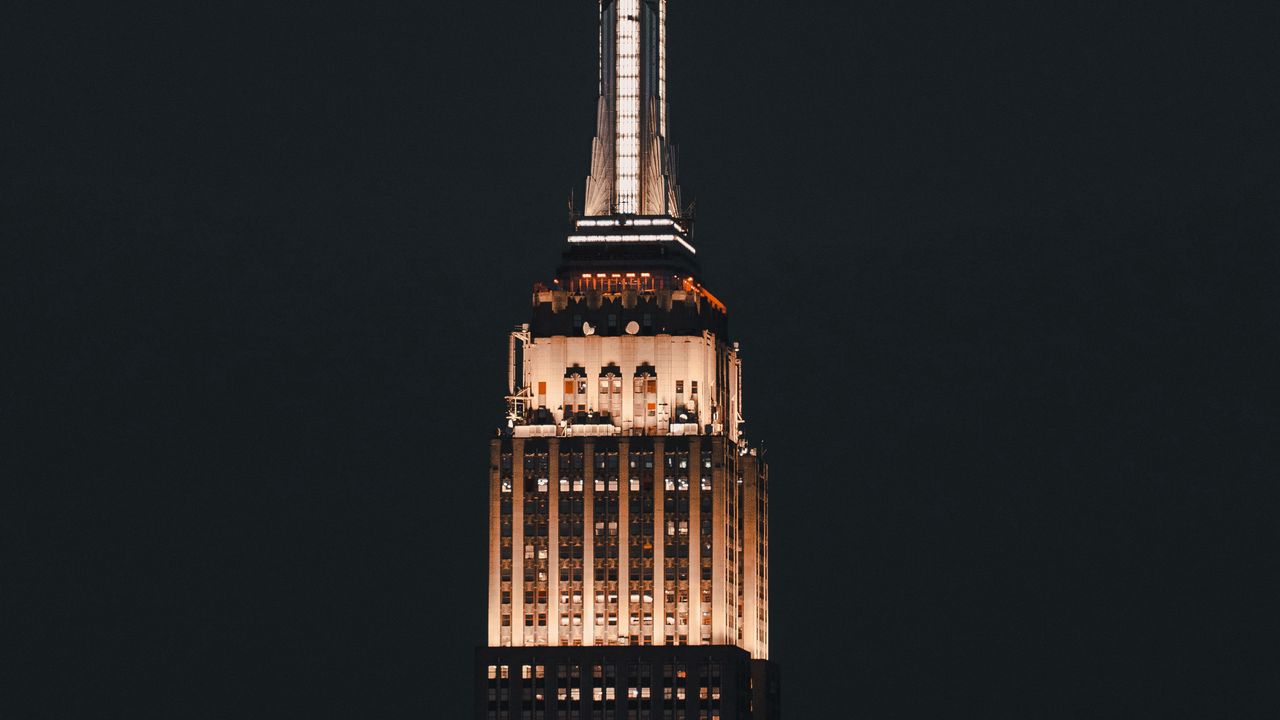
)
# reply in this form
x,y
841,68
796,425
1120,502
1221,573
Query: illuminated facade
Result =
x,y
628,514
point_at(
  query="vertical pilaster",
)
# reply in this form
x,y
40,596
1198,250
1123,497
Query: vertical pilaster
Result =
x,y
553,543
762,470
589,543
751,558
517,542
659,542
624,536
693,585
719,513
495,543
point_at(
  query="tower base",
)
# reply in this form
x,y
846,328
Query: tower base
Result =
x,y
706,682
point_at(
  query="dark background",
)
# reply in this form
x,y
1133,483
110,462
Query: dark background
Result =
x,y
1003,273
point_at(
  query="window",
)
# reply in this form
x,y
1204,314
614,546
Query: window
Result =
x,y
637,394
575,391
611,395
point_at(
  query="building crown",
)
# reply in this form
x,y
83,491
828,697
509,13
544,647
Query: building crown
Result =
x,y
631,222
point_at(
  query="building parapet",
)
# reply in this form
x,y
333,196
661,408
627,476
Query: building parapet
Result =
x,y
569,430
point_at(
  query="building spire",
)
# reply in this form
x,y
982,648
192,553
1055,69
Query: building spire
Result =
x,y
631,163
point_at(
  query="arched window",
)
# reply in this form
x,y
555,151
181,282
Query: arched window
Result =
x,y
611,391
575,391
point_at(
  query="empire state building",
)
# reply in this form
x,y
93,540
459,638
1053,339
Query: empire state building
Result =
x,y
628,514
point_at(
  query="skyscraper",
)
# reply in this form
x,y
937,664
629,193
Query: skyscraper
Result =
x,y
628,514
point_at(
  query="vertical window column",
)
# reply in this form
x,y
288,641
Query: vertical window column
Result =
x,y
621,634
588,545
676,515
517,542
706,542
605,539
764,560
661,478
750,552
719,535
536,551
571,535
554,594
641,543
500,544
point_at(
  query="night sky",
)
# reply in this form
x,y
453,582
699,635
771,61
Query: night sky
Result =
x,y
1003,273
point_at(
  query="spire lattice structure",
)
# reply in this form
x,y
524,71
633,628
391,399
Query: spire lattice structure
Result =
x,y
632,169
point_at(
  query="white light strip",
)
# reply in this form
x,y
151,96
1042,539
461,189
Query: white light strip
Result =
x,y
624,222
631,239
627,87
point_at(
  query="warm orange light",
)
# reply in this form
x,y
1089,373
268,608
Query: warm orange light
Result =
x,y
691,286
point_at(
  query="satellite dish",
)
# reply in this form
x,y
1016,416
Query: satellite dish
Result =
x,y
633,327
588,329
